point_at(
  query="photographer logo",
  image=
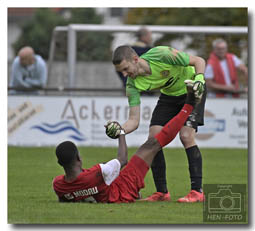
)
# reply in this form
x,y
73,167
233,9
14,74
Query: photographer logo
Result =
x,y
224,203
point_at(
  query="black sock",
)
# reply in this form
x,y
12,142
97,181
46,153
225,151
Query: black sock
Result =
x,y
195,167
158,168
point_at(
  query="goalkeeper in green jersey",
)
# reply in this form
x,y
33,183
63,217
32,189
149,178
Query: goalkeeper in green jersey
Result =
x,y
165,68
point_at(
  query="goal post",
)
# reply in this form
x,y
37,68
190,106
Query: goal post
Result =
x,y
72,30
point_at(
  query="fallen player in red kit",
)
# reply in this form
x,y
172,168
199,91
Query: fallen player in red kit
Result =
x,y
107,182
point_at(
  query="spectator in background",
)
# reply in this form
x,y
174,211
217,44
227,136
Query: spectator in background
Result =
x,y
141,46
28,70
221,71
144,41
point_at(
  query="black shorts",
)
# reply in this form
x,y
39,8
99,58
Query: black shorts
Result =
x,y
169,106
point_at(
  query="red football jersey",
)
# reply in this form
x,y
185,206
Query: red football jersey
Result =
x,y
90,186
87,186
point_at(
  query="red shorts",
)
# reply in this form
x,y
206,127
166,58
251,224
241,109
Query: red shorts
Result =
x,y
129,182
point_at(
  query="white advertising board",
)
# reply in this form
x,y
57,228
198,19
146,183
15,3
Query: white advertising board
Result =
x,y
48,120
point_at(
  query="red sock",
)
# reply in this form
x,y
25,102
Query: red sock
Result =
x,y
170,130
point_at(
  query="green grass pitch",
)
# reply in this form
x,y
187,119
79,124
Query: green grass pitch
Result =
x,y
31,199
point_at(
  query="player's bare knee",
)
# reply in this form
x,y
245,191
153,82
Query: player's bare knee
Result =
x,y
186,138
155,129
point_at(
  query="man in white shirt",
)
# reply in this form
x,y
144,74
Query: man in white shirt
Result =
x,y
221,71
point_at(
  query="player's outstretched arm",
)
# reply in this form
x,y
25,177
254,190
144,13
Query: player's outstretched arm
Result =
x,y
133,119
122,150
113,128
114,131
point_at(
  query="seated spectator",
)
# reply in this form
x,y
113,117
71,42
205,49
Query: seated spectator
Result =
x,y
28,71
221,71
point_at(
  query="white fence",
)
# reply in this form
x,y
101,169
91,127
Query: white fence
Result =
x,y
46,121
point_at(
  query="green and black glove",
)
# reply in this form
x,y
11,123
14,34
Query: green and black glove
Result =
x,y
199,85
195,89
113,129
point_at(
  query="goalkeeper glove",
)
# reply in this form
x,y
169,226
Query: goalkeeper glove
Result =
x,y
113,129
199,85
191,98
194,92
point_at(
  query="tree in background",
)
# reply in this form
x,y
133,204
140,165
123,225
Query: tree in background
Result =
x,y
38,31
190,17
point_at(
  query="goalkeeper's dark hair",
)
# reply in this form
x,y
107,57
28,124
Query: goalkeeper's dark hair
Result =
x,y
121,53
66,153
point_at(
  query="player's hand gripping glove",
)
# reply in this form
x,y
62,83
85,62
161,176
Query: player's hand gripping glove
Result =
x,y
198,85
193,98
113,129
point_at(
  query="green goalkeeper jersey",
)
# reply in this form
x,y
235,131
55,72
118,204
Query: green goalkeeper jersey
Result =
x,y
169,69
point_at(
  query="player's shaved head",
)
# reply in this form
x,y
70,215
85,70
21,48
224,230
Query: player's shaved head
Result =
x,y
121,53
66,153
